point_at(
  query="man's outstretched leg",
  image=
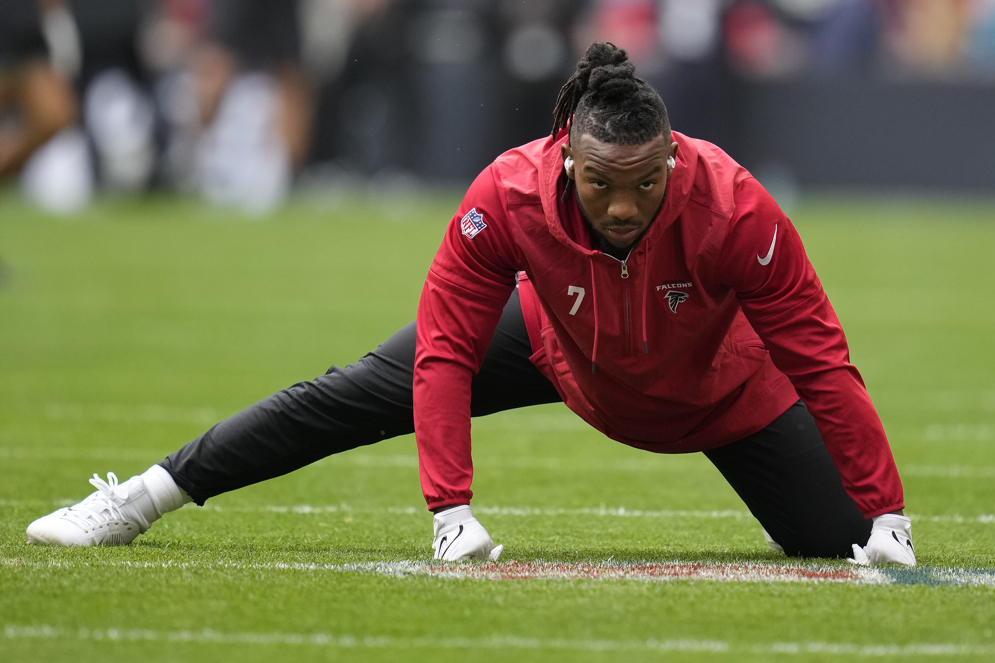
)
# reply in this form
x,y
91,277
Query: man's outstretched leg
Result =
x,y
346,408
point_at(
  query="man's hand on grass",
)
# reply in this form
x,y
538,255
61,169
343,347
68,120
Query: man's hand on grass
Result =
x,y
459,536
890,543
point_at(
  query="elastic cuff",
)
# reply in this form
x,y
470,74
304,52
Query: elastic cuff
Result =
x,y
186,486
883,510
165,494
893,520
454,516
451,501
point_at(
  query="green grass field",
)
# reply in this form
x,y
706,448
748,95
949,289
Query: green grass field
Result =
x,y
127,332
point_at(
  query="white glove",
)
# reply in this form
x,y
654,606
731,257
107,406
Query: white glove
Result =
x,y
458,536
890,543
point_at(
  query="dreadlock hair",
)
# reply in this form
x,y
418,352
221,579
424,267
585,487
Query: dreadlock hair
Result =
x,y
606,100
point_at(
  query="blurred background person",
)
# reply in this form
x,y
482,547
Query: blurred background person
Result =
x,y
36,101
115,86
241,100
367,110
537,49
927,37
95,46
981,39
253,100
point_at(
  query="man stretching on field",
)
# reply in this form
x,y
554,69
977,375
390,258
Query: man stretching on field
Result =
x,y
641,277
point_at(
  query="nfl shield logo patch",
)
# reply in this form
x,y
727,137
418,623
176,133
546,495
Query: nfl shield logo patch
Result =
x,y
472,223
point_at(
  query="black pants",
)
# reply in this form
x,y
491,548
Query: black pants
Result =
x,y
783,473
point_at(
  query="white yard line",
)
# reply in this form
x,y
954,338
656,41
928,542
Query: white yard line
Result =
x,y
511,511
132,414
496,641
960,432
633,465
948,471
651,572
643,572
410,461
108,457
601,511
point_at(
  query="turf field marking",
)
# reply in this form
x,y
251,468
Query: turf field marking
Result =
x,y
960,432
633,465
945,400
411,460
593,571
949,471
644,572
513,511
670,571
496,641
364,642
601,511
131,414
71,453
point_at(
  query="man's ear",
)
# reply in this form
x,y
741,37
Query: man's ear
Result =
x,y
568,160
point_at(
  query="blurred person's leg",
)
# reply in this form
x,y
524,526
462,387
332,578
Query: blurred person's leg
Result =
x,y
294,113
259,36
279,52
38,105
212,67
118,109
255,104
44,104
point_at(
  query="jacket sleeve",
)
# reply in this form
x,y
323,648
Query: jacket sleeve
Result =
x,y
785,303
467,286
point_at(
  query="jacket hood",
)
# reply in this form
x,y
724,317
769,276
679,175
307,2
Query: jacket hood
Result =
x,y
678,191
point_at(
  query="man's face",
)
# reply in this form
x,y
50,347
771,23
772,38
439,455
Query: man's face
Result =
x,y
620,187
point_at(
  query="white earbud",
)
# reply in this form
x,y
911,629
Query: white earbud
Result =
x,y
568,163
672,162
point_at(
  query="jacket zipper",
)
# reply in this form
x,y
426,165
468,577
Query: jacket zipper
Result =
x,y
625,275
624,262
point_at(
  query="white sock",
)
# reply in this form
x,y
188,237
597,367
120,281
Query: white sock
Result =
x,y
165,495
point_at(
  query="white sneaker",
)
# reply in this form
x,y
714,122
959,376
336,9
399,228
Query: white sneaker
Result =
x,y
112,516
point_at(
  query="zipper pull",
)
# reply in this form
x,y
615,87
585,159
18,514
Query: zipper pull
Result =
x,y
625,270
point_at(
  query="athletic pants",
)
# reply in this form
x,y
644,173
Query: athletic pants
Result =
x,y
783,473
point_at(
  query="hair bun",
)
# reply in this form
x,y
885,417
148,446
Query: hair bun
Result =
x,y
613,82
604,53
604,75
602,60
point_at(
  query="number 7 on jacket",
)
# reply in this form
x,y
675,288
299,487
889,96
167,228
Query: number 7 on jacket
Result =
x,y
575,290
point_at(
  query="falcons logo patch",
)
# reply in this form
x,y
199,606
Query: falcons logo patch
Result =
x,y
674,299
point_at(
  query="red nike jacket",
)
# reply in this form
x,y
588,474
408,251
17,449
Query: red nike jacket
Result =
x,y
712,328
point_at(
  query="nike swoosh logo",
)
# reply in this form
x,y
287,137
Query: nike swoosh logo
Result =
x,y
908,542
770,254
442,553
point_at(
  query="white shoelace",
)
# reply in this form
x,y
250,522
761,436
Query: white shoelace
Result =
x,y
101,506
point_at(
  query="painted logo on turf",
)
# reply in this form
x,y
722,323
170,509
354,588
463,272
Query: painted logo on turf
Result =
x,y
472,223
